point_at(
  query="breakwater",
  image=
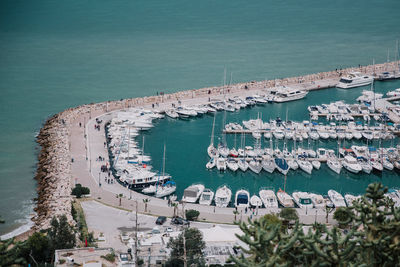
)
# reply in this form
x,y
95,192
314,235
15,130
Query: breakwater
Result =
x,y
54,163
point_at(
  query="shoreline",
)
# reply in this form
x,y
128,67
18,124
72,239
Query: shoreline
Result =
x,y
54,175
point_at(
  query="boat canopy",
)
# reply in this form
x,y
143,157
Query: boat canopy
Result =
x,y
242,199
190,192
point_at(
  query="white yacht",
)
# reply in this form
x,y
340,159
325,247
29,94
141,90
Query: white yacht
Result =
x,y
351,164
255,166
223,196
242,198
350,199
334,164
255,201
303,200
268,198
206,197
172,114
336,198
166,189
232,165
211,163
354,79
305,165
212,151
290,95
268,165
285,199
150,189
292,164
316,164
317,200
221,164
192,193
243,165
395,92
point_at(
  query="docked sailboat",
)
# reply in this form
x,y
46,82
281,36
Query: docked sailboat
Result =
x,y
351,164
232,165
243,165
206,197
166,189
282,165
268,198
268,165
305,165
242,198
192,193
285,199
223,196
255,166
336,198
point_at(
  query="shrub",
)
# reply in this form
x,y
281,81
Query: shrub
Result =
x,y
192,215
80,190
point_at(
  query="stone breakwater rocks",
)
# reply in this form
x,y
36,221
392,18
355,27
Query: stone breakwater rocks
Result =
x,y
53,173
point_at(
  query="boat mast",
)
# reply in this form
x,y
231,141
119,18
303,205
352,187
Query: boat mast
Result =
x,y
212,132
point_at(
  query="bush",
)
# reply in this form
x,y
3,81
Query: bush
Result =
x,y
109,257
80,190
192,215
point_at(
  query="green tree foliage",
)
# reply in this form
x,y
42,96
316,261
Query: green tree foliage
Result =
x,y
192,215
343,216
10,253
80,190
372,237
61,235
194,245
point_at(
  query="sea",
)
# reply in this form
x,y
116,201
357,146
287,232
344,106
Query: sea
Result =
x,y
60,54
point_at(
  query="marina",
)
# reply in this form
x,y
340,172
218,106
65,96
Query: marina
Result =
x,y
285,151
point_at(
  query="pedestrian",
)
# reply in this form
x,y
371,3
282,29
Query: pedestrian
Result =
x,y
80,124
108,173
245,210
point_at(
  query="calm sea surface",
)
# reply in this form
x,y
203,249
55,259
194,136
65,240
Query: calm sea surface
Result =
x,y
55,55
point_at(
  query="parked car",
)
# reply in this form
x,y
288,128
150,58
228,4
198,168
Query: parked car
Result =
x,y
179,220
161,220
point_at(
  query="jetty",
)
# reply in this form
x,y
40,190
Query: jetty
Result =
x,y
69,145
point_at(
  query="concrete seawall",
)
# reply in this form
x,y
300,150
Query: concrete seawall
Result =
x,y
53,173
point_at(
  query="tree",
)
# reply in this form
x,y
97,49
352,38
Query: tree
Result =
x,y
192,215
175,205
10,253
343,216
288,215
146,201
194,245
61,235
372,237
79,190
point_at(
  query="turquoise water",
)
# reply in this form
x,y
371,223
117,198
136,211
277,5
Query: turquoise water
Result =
x,y
187,142
55,55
